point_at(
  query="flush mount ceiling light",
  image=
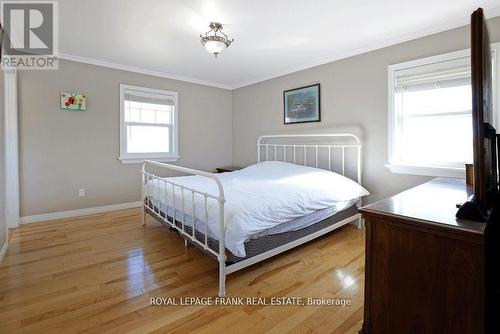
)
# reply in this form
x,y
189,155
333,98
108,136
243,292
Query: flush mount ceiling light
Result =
x,y
215,41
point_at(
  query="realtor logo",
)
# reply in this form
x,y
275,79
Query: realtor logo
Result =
x,y
31,29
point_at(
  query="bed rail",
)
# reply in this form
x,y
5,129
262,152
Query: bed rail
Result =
x,y
149,205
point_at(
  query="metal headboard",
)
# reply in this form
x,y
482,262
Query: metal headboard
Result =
x,y
263,144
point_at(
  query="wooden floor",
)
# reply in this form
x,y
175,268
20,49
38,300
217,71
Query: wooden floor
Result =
x,y
96,274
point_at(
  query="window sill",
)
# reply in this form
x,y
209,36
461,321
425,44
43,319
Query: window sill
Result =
x,y
140,160
427,171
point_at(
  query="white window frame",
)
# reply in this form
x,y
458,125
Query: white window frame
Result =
x,y
126,157
398,168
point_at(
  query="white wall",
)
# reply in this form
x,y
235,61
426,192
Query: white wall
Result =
x,y
61,152
353,96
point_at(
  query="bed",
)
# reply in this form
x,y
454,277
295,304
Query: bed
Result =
x,y
299,189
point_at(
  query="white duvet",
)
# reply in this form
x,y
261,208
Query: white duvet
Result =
x,y
258,198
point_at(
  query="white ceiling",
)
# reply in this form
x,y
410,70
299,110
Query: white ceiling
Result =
x,y
272,37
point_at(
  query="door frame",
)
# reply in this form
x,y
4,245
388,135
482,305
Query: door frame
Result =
x,y
11,148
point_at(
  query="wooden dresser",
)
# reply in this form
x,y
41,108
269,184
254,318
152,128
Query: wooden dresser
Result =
x,y
424,268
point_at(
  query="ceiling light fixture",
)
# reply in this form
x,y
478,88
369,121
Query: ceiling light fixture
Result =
x,y
215,41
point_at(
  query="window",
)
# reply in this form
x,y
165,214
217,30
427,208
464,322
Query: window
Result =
x,y
430,116
148,128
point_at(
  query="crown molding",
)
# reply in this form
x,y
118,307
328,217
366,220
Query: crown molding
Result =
x,y
444,26
135,69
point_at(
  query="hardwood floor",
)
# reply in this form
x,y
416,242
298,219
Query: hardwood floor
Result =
x,y
96,274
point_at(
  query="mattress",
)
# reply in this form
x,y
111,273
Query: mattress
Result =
x,y
267,198
262,244
307,220
293,225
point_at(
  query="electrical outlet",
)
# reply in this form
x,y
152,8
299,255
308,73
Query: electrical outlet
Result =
x,y
81,192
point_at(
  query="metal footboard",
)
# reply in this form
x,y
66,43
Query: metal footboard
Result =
x,y
179,224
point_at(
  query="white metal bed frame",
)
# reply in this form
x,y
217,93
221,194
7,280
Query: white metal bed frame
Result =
x,y
224,269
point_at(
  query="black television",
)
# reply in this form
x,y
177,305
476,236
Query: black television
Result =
x,y
485,189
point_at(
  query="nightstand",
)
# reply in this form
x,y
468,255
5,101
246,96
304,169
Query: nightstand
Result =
x,y
227,169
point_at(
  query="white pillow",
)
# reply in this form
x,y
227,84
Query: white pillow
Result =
x,y
312,182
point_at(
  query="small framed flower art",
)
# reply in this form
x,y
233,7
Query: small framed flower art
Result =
x,y
73,102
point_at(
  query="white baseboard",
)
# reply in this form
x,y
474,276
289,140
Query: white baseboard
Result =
x,y
78,212
3,251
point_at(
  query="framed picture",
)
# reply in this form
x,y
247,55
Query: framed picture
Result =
x,y
73,102
302,105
